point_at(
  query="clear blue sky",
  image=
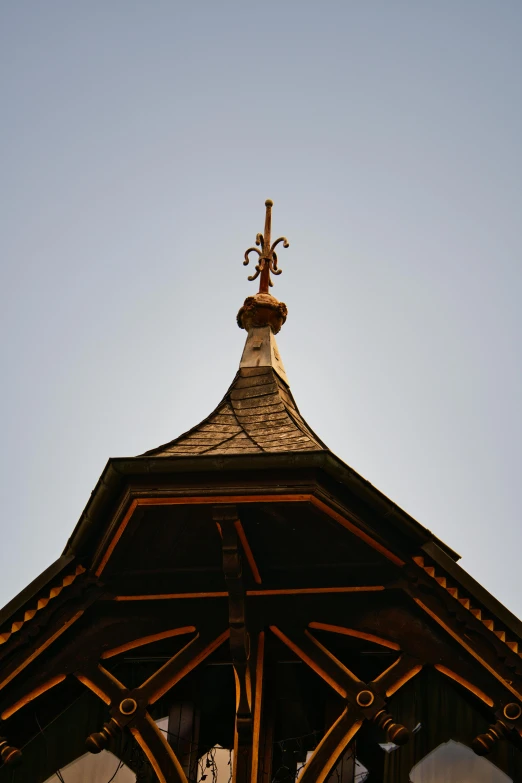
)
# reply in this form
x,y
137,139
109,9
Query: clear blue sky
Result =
x,y
139,141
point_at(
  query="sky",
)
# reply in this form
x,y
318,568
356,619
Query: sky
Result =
x,y
138,143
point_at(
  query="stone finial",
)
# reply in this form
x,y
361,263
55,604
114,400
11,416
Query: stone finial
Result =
x,y
262,310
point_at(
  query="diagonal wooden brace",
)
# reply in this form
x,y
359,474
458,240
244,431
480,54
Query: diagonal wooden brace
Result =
x,y
331,747
366,699
129,707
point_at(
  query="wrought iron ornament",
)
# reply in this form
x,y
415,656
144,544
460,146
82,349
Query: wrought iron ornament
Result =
x,y
267,256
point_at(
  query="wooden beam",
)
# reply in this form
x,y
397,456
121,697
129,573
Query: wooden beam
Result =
x,y
310,661
365,699
447,625
155,637
396,675
258,704
46,686
331,747
353,528
181,664
248,552
368,637
227,519
343,519
465,683
101,682
162,758
255,593
116,537
169,596
40,649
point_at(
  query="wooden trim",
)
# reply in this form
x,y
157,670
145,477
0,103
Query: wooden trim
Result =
x,y
347,673
94,688
40,649
334,754
168,596
465,683
32,695
403,680
256,731
116,537
396,675
352,731
145,748
368,637
203,500
154,695
237,687
254,593
468,648
267,726
248,552
106,675
150,738
232,499
355,530
317,590
156,637
309,662
235,754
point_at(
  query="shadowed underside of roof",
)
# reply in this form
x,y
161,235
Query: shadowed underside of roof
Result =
x,y
258,413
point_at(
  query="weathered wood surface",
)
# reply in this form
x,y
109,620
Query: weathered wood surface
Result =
x,y
258,414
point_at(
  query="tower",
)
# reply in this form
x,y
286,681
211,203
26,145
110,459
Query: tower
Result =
x,y
245,585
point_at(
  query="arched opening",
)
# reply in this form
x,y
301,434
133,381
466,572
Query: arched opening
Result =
x,y
98,768
449,718
453,762
216,765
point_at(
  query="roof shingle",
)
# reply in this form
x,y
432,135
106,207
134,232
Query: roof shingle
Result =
x,y
258,413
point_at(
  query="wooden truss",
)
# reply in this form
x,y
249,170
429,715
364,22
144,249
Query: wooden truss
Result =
x,y
462,639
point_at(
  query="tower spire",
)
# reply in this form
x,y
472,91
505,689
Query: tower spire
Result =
x,y
263,309
258,413
267,256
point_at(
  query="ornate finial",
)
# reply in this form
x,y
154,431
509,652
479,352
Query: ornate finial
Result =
x,y
267,256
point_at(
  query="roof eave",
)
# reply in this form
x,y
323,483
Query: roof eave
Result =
x,y
473,587
118,469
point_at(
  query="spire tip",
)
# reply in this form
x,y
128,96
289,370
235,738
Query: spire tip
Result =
x,y
267,257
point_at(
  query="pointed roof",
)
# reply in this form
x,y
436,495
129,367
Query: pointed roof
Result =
x,y
257,414
148,533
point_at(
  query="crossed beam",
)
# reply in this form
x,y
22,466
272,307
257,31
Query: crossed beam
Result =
x,y
364,701
128,707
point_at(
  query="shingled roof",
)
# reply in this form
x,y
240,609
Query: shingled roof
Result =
x,y
257,414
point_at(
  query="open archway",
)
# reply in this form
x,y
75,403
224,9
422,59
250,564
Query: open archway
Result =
x,y
98,768
453,762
